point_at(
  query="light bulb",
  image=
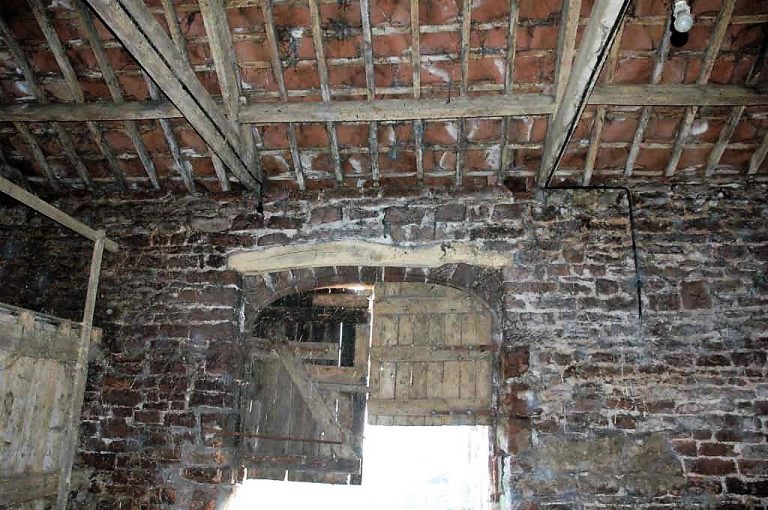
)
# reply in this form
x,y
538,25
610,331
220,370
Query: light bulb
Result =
x,y
683,18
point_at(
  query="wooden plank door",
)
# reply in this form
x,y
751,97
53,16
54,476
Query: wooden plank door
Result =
x,y
431,357
38,355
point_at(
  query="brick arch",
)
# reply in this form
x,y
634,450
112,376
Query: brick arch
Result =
x,y
512,426
483,283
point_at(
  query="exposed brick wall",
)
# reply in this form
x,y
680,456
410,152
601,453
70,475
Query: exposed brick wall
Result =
x,y
597,407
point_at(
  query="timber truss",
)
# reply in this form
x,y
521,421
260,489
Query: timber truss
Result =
x,y
236,121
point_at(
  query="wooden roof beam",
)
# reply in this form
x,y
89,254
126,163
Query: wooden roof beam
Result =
x,y
604,22
384,110
107,73
147,41
645,115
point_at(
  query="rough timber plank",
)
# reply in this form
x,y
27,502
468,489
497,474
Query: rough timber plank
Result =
x,y
428,353
75,404
426,407
317,406
16,489
509,68
46,209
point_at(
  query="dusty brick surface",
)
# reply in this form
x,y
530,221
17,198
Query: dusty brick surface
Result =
x,y
586,386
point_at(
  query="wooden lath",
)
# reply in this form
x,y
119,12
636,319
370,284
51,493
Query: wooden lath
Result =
x,y
277,71
325,85
509,78
599,34
418,124
597,126
148,42
645,114
370,81
74,87
713,48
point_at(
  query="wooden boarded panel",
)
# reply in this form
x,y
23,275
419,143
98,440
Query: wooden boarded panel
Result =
x,y
38,354
431,356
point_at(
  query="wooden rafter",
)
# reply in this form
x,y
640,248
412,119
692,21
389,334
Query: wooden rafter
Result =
x,y
169,12
713,48
277,71
59,53
509,78
645,114
597,126
147,41
42,97
225,62
325,84
604,21
370,82
418,124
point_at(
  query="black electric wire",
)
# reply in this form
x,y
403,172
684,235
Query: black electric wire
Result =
x,y
547,186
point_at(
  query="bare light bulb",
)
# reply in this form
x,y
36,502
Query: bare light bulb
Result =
x,y
683,18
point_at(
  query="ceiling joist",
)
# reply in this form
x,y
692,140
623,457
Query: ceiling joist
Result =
x,y
385,110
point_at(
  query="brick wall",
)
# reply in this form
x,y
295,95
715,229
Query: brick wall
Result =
x,y
596,405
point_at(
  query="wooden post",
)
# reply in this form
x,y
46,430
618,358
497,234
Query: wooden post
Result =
x,y
72,423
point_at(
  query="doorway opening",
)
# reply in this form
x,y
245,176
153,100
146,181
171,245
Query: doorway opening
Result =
x,y
405,468
383,391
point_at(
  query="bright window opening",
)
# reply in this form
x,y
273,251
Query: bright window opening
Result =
x,y
405,468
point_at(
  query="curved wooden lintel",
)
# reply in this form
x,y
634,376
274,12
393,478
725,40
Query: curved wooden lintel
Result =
x,y
363,253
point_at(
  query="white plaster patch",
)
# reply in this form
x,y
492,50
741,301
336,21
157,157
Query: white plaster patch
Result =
x,y
500,66
453,131
442,73
699,127
391,135
307,160
60,4
354,162
441,163
297,32
473,127
493,156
